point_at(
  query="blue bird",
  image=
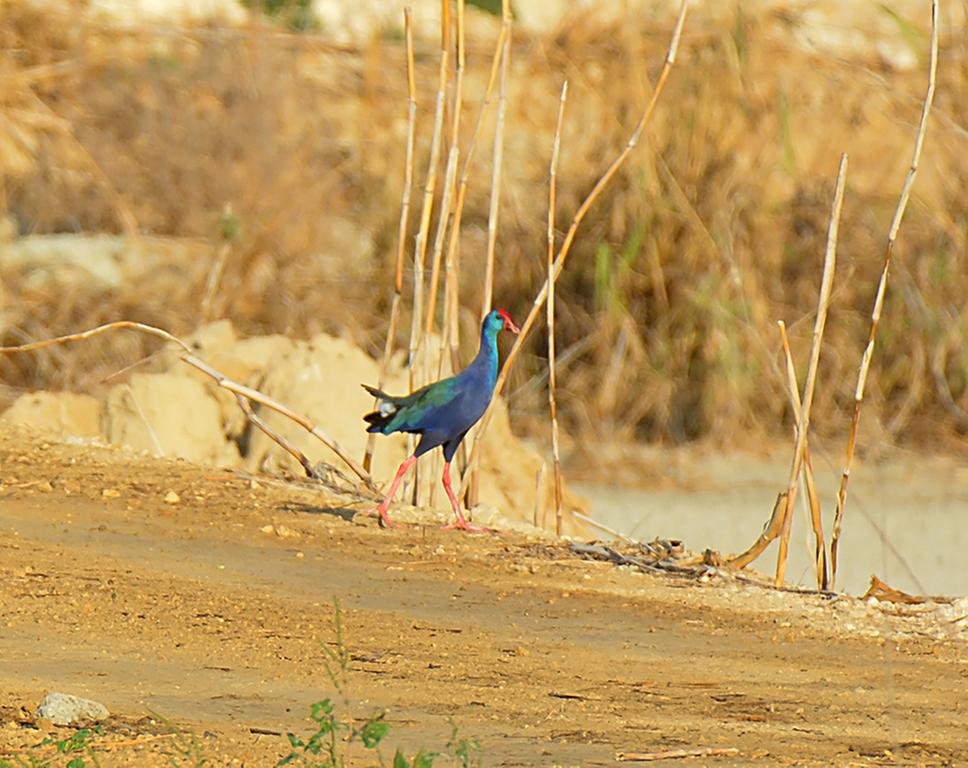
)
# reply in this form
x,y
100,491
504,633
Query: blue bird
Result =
x,y
442,412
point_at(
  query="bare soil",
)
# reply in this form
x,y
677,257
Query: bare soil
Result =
x,y
212,610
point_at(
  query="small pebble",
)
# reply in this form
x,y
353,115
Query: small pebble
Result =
x,y
111,493
172,498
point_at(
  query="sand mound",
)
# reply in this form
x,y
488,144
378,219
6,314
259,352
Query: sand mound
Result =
x,y
174,410
168,414
57,414
321,378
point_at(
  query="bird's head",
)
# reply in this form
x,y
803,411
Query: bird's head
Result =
x,y
498,320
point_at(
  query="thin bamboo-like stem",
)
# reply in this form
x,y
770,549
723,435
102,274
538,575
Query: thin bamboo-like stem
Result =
x,y
470,486
124,213
449,333
823,303
420,245
453,251
537,516
881,290
416,367
450,175
781,517
188,356
444,219
819,556
403,226
559,263
498,163
552,378
214,278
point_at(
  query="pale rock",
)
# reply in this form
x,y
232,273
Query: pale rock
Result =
x,y
58,414
65,709
168,415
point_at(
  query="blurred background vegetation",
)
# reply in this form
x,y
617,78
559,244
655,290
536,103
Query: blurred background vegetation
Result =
x,y
714,230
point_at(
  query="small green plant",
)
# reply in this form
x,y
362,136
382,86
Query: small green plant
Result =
x,y
76,746
323,748
187,751
330,745
467,751
295,14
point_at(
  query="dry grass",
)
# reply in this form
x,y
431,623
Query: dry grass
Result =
x,y
665,314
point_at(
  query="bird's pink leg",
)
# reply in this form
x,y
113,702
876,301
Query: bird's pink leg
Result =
x,y
461,522
385,504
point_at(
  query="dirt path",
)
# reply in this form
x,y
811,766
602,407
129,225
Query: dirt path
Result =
x,y
211,611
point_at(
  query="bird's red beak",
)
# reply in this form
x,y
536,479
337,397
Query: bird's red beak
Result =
x,y
509,323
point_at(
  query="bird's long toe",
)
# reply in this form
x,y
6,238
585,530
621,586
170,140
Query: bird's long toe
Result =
x,y
385,521
463,525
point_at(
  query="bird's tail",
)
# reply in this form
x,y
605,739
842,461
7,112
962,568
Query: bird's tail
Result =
x,y
386,409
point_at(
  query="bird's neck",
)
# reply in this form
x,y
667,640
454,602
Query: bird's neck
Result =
x,y
486,360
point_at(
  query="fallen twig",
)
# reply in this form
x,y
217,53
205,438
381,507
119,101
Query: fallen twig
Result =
x,y
605,552
886,593
671,754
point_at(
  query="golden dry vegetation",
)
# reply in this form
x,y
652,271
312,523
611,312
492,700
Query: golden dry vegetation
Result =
x,y
713,230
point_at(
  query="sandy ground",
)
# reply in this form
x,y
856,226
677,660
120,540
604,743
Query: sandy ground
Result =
x,y
211,610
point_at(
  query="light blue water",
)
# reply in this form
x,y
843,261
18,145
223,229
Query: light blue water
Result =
x,y
906,519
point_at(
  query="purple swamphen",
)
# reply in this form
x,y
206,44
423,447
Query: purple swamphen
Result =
x,y
442,412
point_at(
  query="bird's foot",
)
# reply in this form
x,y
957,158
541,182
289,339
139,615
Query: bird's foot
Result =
x,y
385,521
462,525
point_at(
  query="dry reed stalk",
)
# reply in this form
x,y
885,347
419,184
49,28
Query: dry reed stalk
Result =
x,y
819,556
803,416
213,280
803,420
538,514
188,356
430,185
402,227
452,259
881,290
218,266
450,330
559,262
124,213
450,180
498,162
416,369
552,379
471,483
444,219
451,335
